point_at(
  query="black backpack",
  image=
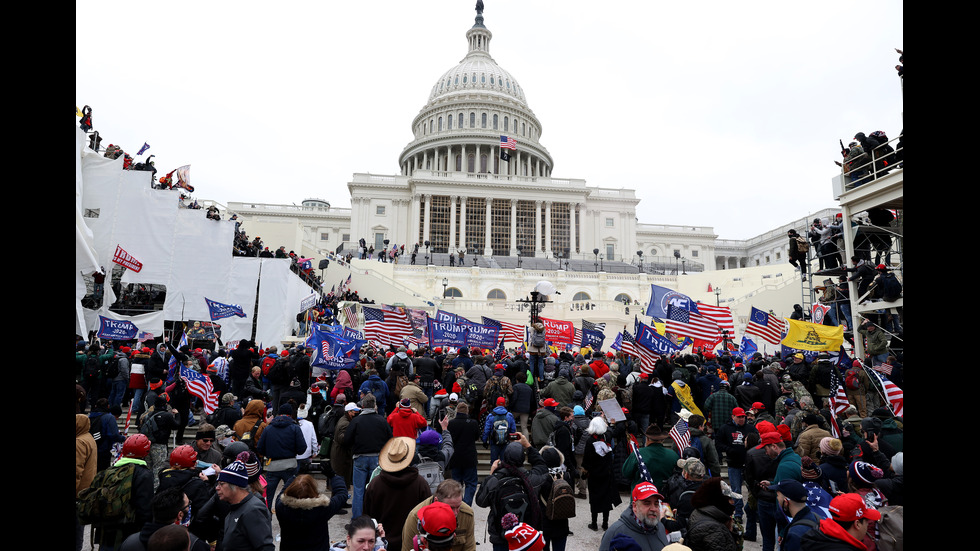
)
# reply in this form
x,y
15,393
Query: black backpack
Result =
x,y
279,373
112,371
891,287
92,366
512,497
95,428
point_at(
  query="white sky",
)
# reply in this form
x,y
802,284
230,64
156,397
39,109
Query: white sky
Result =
x,y
723,114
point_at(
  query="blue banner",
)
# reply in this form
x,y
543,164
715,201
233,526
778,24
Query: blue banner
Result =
x,y
482,336
331,350
593,339
747,349
450,317
116,330
661,297
353,334
648,337
446,333
219,310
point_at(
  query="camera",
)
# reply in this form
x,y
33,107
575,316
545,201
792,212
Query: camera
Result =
x,y
514,437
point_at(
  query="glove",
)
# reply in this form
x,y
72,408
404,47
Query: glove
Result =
x,y
327,470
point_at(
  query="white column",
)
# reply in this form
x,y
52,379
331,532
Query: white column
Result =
x,y
537,227
413,221
452,224
462,223
428,216
572,207
487,247
513,227
547,229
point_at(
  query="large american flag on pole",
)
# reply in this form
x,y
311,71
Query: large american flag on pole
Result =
x,y
765,326
894,395
648,358
600,327
721,315
513,332
388,326
200,385
838,402
350,316
507,142
685,323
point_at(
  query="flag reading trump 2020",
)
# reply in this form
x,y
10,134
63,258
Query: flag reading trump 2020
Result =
x,y
219,310
446,333
559,331
482,336
116,330
804,335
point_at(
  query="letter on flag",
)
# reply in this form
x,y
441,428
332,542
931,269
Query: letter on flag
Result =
x,y
662,297
219,310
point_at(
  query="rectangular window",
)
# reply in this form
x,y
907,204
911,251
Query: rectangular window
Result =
x,y
610,251
439,224
694,253
346,237
380,209
610,222
525,227
500,227
324,236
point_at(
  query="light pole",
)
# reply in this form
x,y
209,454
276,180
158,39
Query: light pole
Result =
x,y
601,268
677,256
426,253
640,254
684,266
596,253
520,250
717,296
445,283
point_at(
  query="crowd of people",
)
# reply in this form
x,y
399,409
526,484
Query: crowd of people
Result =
x,y
397,436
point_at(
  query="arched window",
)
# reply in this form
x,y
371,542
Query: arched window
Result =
x,y
495,122
496,294
623,297
453,292
524,129
472,119
483,163
440,124
483,120
581,295
450,122
506,126
470,161
460,120
459,163
431,125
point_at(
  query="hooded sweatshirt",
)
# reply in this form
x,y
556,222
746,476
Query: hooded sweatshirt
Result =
x,y
647,539
405,422
488,427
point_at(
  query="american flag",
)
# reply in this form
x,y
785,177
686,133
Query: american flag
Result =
x,y
883,368
838,402
644,472
588,399
508,143
577,339
200,385
648,358
388,326
350,316
721,315
765,326
513,332
894,395
680,434
817,499
500,350
685,323
600,327
173,363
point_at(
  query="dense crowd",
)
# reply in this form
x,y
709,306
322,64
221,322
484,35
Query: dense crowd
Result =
x,y
398,435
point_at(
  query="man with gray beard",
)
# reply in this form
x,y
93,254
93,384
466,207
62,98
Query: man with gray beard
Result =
x,y
640,522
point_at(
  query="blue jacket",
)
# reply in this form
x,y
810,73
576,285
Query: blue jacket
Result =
x,y
794,532
376,386
282,439
499,410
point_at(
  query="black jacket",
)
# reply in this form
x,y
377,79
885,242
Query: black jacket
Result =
x,y
759,467
368,432
730,440
465,433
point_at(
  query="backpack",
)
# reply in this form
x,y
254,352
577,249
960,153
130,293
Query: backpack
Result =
x,y
802,245
471,392
537,339
279,372
112,371
95,428
107,501
267,364
561,500
499,430
890,528
431,472
494,392
149,427
891,287
92,367
402,364
249,437
512,497
851,380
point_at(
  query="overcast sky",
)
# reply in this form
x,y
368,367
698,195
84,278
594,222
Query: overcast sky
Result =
x,y
722,114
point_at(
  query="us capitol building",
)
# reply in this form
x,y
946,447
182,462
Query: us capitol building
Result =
x,y
457,192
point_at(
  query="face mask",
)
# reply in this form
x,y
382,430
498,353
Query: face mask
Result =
x,y
186,521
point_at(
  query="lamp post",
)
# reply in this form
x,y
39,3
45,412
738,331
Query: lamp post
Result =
x,y
596,253
677,256
640,254
684,266
384,256
426,253
601,268
717,296
520,256
445,283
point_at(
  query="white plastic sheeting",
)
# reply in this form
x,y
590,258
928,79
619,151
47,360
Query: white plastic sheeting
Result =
x,y
179,248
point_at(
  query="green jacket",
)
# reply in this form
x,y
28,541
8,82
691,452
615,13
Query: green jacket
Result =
x,y
790,467
660,461
877,340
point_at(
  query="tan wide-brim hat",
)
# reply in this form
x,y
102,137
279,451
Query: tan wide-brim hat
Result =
x,y
396,454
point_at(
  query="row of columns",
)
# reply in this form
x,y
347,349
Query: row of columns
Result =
x,y
487,247
536,166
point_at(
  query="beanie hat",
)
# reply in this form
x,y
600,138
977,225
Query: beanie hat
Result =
x,y
622,542
578,410
809,469
429,437
251,462
830,446
863,475
522,536
898,463
235,473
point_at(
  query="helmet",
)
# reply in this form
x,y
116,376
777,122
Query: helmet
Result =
x,y
232,450
183,456
136,446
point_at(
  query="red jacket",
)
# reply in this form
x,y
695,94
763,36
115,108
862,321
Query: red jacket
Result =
x,y
405,422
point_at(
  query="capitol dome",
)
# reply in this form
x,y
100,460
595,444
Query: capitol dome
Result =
x,y
470,107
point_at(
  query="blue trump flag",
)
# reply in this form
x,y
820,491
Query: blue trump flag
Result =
x,y
483,336
447,333
219,310
648,337
661,297
330,350
116,330
593,339
747,348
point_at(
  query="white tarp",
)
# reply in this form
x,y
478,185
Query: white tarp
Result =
x,y
179,248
